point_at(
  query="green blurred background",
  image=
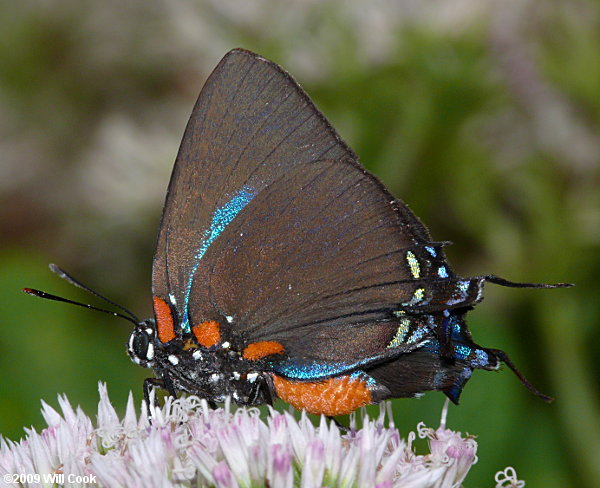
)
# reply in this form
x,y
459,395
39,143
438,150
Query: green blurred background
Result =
x,y
482,115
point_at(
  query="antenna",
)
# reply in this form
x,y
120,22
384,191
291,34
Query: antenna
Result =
x,y
49,296
67,277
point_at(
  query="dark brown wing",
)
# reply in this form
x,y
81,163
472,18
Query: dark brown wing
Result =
x,y
251,125
314,260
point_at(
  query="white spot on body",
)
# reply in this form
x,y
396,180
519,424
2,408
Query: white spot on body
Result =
x,y
229,318
172,298
149,331
174,360
215,377
252,377
225,345
150,352
197,355
235,375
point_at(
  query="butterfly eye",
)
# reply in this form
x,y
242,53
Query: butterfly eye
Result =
x,y
140,347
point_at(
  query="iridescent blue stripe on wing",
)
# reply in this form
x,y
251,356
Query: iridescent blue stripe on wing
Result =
x,y
222,217
314,370
361,375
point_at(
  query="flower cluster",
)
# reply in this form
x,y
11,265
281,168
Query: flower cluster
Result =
x,y
186,444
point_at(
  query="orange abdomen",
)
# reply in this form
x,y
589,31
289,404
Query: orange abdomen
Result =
x,y
331,397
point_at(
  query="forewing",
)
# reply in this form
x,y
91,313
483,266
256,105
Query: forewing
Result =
x,y
251,125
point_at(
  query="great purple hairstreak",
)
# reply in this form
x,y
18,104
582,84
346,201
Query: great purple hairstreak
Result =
x,y
284,269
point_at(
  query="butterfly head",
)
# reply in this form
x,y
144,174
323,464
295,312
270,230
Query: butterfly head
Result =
x,y
141,346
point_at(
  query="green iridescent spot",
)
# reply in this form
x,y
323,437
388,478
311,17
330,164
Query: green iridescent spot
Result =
x,y
401,333
413,263
418,295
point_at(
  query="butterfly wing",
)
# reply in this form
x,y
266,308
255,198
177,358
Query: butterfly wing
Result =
x,y
271,227
272,230
252,124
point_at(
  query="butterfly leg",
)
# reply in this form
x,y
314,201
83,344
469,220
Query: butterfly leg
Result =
x,y
150,383
168,385
163,383
262,391
268,389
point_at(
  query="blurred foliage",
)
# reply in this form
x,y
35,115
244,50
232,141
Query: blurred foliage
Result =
x,y
484,121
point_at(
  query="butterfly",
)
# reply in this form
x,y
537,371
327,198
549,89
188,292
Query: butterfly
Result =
x,y
284,269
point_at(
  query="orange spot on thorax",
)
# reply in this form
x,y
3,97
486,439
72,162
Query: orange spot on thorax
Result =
x,y
333,396
259,350
165,324
207,333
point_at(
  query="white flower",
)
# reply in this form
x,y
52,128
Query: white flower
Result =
x,y
508,479
187,444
